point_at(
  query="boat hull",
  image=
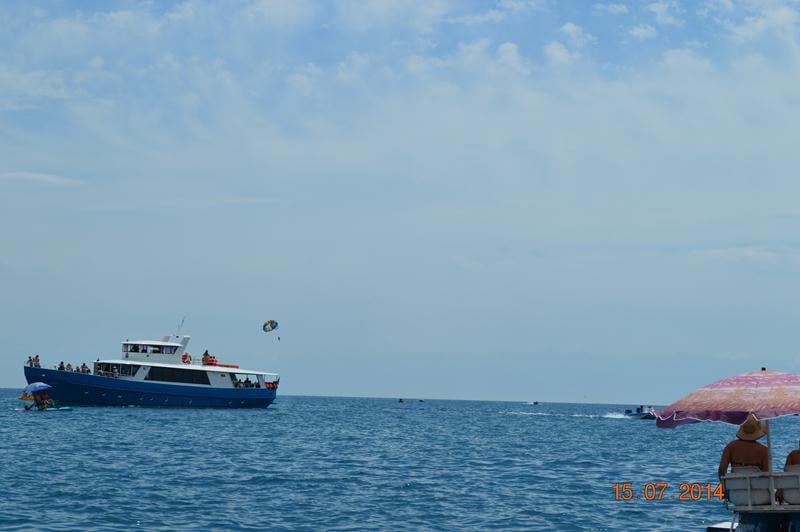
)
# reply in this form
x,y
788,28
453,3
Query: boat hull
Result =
x,y
87,389
640,415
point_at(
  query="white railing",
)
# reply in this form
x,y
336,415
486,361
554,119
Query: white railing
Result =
x,y
762,491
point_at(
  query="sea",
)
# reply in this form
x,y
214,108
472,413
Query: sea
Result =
x,y
330,463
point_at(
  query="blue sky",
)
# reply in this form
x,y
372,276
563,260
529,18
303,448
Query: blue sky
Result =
x,y
521,199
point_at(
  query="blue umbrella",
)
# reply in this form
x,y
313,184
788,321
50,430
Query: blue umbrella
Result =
x,y
36,387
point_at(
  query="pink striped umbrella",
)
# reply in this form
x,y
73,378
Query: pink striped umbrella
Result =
x,y
766,394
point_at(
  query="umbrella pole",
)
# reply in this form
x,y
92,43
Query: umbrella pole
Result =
x,y
769,465
769,444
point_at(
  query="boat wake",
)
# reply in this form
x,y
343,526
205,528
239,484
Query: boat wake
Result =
x,y
608,415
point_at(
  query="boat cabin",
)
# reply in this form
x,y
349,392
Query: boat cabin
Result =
x,y
168,361
168,350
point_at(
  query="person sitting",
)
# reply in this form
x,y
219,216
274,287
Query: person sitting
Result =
x,y
745,450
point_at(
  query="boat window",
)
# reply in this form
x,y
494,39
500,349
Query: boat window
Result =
x,y
128,370
155,348
170,349
243,380
130,348
115,370
188,376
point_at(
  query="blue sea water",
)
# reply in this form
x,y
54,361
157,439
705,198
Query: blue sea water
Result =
x,y
319,463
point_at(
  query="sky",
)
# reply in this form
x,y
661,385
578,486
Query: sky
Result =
x,y
502,200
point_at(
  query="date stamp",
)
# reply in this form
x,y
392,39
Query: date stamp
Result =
x,y
659,491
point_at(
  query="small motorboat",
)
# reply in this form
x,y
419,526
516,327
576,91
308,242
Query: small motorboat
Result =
x,y
640,413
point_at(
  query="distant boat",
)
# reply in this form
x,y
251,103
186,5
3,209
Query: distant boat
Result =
x,y
640,413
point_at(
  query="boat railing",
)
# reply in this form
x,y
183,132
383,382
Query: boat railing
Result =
x,y
753,490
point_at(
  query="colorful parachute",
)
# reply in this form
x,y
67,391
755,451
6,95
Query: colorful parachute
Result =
x,y
270,325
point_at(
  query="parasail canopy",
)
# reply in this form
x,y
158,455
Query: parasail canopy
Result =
x,y
270,325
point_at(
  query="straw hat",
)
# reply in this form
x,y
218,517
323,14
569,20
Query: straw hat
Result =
x,y
752,429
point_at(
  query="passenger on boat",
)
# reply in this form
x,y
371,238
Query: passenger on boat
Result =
x,y
69,366
206,357
745,450
41,401
36,363
29,362
61,366
114,371
85,368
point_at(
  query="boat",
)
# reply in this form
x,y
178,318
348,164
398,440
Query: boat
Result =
x,y
159,373
640,413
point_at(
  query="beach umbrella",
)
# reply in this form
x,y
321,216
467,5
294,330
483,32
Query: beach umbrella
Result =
x,y
765,394
36,387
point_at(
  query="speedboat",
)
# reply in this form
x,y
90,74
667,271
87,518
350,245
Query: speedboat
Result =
x,y
640,414
159,373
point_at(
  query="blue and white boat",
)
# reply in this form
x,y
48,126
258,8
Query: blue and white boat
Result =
x,y
159,373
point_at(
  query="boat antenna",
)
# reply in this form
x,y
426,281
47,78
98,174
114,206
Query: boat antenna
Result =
x,y
180,326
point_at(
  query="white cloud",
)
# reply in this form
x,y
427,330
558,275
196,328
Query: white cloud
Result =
x,y
686,59
493,15
740,254
181,12
281,14
754,256
643,32
36,177
508,56
365,15
474,58
577,35
304,79
612,9
558,54
352,68
523,6
665,12
781,21
24,89
715,6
